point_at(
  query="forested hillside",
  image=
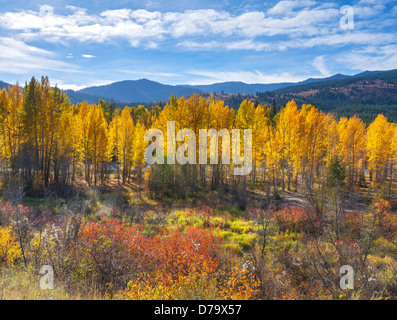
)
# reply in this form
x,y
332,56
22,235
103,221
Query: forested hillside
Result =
x,y
366,95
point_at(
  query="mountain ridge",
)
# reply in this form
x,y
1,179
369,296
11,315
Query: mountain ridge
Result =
x,y
144,90
141,90
147,91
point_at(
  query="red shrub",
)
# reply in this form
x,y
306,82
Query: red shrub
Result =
x,y
296,219
386,220
115,253
112,251
352,221
183,252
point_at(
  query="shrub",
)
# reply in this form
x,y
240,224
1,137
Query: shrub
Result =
x,y
183,264
112,253
233,285
183,252
296,219
386,220
10,249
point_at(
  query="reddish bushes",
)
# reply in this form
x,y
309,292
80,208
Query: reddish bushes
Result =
x,y
115,253
193,250
386,220
9,214
296,219
353,220
111,252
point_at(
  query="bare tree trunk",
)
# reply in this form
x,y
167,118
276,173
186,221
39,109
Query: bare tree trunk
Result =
x,y
391,177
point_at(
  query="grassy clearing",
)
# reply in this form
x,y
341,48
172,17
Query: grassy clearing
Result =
x,y
20,284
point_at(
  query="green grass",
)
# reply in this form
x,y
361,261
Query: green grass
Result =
x,y
236,233
21,284
33,202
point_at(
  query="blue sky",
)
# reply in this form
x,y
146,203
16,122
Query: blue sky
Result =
x,y
85,43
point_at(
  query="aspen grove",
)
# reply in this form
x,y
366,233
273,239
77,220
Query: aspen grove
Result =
x,y
47,142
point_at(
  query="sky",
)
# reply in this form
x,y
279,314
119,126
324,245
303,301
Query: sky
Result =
x,y
84,43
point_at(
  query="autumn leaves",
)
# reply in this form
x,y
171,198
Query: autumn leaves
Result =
x,y
49,142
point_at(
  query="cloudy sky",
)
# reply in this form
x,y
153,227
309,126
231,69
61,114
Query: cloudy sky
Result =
x,y
84,43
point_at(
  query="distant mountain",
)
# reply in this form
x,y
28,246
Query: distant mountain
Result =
x,y
76,97
337,76
3,85
142,90
235,87
244,88
367,73
365,80
145,90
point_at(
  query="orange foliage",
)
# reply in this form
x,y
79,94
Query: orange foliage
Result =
x,y
193,250
296,218
117,253
387,221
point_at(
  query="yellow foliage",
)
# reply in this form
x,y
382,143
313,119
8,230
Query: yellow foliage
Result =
x,y
235,285
352,138
379,147
10,249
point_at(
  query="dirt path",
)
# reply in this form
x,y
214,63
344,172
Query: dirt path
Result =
x,y
294,199
352,202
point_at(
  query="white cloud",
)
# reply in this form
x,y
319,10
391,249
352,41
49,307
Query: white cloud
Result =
x,y
209,77
77,10
288,24
73,86
370,8
370,58
226,45
18,57
46,9
121,14
356,38
88,56
63,86
320,65
152,4
147,73
287,7
150,27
